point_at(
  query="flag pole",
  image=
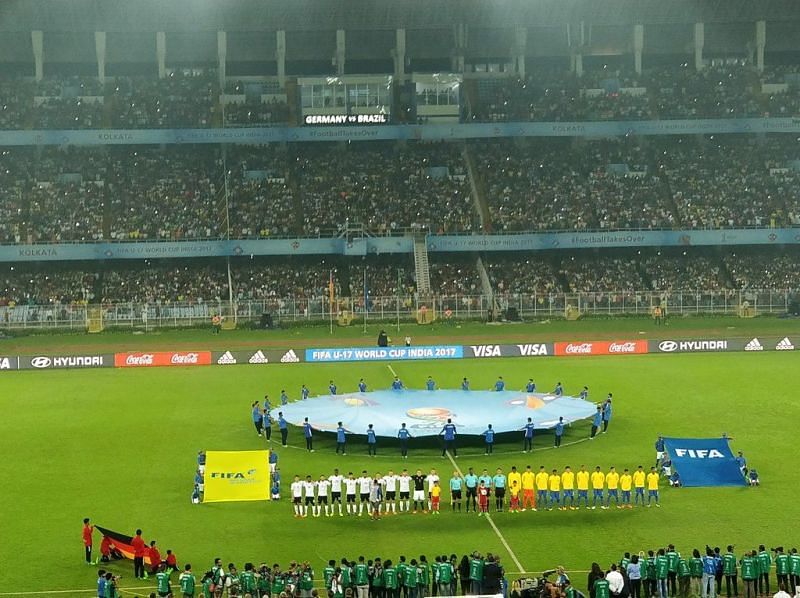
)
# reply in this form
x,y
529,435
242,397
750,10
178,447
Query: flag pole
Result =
x,y
366,300
330,299
398,301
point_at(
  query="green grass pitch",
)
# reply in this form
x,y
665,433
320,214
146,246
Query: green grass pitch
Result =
x,y
119,446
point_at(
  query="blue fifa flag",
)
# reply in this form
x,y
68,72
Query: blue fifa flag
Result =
x,y
704,461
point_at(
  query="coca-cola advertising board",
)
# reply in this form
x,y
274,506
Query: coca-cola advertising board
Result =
x,y
582,348
161,358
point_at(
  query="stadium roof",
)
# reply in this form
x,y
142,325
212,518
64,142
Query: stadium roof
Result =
x,y
313,15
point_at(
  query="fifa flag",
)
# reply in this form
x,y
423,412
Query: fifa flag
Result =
x,y
236,475
704,461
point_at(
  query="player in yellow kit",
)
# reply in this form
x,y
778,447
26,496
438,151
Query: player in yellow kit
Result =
x,y
541,487
528,487
638,485
625,484
514,476
568,486
582,478
513,506
554,483
652,486
612,483
598,482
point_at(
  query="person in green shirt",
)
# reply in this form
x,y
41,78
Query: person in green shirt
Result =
x,y
476,573
278,581
696,572
336,584
445,577
346,574
684,577
652,583
424,581
662,571
625,561
410,579
601,587
247,579
569,591
205,585
306,580
376,575
217,574
361,578
764,565
672,569
262,580
328,573
729,571
749,565
162,581
186,581
794,568
390,579
782,567
111,586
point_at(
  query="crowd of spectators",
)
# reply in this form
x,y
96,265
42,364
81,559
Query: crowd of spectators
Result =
x,y
190,97
179,192
601,275
718,91
515,276
197,281
567,185
455,278
723,182
256,113
669,273
752,272
385,188
181,99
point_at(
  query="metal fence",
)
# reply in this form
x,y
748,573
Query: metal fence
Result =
x,y
294,310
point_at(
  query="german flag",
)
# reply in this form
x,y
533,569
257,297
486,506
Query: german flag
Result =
x,y
122,543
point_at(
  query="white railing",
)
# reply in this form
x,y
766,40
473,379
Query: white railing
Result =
x,y
297,310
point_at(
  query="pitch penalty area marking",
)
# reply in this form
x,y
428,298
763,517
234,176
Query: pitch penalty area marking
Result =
x,y
514,558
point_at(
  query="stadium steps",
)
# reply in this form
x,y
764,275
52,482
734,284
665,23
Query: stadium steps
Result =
x,y
469,87
422,266
478,188
486,284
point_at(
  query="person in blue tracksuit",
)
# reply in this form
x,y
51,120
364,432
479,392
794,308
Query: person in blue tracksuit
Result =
x,y
488,436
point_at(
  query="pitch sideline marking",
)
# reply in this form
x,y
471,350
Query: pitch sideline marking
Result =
x,y
391,369
514,558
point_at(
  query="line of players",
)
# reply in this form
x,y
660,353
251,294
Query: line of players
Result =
x,y
391,493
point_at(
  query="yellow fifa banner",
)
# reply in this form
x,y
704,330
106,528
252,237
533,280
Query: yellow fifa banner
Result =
x,y
236,475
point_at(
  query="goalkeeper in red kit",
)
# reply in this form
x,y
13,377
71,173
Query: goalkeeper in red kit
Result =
x,y
483,499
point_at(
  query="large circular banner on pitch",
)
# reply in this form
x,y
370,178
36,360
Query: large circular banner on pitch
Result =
x,y
425,412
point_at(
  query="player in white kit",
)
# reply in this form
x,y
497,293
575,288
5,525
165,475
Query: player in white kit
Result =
x,y
336,491
389,482
322,496
404,481
350,484
364,487
297,496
